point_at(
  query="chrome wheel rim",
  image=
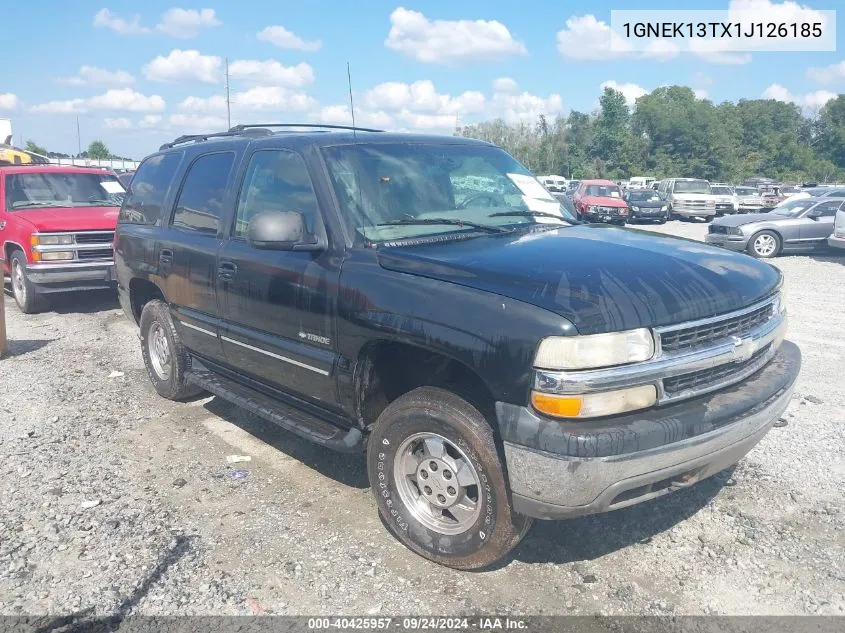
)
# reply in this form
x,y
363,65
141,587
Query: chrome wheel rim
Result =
x,y
437,483
765,245
18,283
159,351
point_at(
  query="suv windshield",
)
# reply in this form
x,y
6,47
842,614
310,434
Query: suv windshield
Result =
x,y
62,189
793,209
745,191
395,191
721,190
692,186
602,191
643,196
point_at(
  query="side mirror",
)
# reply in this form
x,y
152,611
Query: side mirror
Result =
x,y
280,231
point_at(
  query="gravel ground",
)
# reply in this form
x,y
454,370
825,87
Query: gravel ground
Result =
x,y
117,501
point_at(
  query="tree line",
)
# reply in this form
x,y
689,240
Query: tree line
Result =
x,y
669,132
97,150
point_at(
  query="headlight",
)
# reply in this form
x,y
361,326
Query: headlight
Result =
x,y
594,405
53,256
51,240
594,208
734,230
635,208
596,350
664,208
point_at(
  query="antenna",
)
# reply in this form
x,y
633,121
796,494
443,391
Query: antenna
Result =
x,y
351,103
78,137
228,106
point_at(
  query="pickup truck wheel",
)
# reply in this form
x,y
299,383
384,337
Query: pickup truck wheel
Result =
x,y
25,293
439,483
165,358
764,244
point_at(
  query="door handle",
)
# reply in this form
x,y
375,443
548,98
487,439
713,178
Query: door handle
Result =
x,y
227,270
165,256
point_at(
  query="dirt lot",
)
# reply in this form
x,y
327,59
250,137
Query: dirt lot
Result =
x,y
115,500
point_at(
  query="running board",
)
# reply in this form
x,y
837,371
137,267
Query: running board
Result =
x,y
279,413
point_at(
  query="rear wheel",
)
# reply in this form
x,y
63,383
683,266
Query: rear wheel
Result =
x,y
439,483
25,292
165,358
764,244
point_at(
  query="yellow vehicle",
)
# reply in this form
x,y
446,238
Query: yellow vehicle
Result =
x,y
10,155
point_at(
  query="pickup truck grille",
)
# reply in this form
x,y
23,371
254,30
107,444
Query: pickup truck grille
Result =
x,y
100,253
697,336
694,205
706,378
94,237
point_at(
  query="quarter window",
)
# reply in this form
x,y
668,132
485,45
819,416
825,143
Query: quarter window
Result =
x,y
827,209
148,189
276,180
200,203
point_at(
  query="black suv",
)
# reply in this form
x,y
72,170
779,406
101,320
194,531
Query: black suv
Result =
x,y
426,300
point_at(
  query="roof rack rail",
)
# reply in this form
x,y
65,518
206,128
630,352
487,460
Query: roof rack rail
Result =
x,y
193,138
247,126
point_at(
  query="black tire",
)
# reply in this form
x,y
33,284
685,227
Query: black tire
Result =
x,y
662,220
709,218
430,410
755,249
23,290
155,322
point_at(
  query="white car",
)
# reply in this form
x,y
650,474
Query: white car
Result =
x,y
727,201
689,198
837,238
555,184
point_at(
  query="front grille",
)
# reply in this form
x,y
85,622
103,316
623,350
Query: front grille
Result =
x,y
696,336
95,237
695,204
100,253
701,380
717,228
724,206
608,210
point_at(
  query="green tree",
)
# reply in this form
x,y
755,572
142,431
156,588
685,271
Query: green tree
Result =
x,y
32,146
98,150
831,126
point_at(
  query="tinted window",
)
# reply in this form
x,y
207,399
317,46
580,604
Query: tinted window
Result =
x,y
835,193
827,209
148,189
200,203
276,180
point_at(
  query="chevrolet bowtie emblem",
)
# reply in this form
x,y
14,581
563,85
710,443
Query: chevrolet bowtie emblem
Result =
x,y
743,349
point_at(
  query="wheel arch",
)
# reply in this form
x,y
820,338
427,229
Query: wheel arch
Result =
x,y
141,292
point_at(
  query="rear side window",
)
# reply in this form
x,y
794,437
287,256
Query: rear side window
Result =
x,y
148,189
200,203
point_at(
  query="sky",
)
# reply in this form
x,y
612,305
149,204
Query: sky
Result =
x,y
139,74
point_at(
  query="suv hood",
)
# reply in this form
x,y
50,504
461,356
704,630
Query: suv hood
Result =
x,y
61,219
604,201
601,279
693,196
748,218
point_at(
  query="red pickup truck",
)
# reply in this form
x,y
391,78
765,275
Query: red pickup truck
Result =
x,y
56,228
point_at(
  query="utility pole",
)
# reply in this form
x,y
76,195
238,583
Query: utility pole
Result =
x,y
228,106
78,138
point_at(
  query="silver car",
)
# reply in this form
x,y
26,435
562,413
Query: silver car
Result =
x,y
798,225
837,239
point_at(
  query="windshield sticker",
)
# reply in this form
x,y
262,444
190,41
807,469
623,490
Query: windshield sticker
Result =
x,y
543,206
614,194
530,186
112,186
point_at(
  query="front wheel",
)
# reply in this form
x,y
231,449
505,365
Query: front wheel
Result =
x,y
764,244
25,293
439,483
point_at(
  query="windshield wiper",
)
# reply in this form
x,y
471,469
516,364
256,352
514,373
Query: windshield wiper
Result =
x,y
473,225
527,214
111,203
37,203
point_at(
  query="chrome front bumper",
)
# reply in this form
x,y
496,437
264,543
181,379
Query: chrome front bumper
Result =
x,y
558,470
731,242
72,272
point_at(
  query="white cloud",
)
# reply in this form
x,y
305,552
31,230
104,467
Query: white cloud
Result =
x,y
149,120
710,51
107,20
661,50
91,75
525,106
281,37
422,97
118,99
809,102
186,23
197,122
505,85
9,101
341,115
121,123
630,91
449,41
588,38
254,99
828,74
181,66
271,72
700,93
